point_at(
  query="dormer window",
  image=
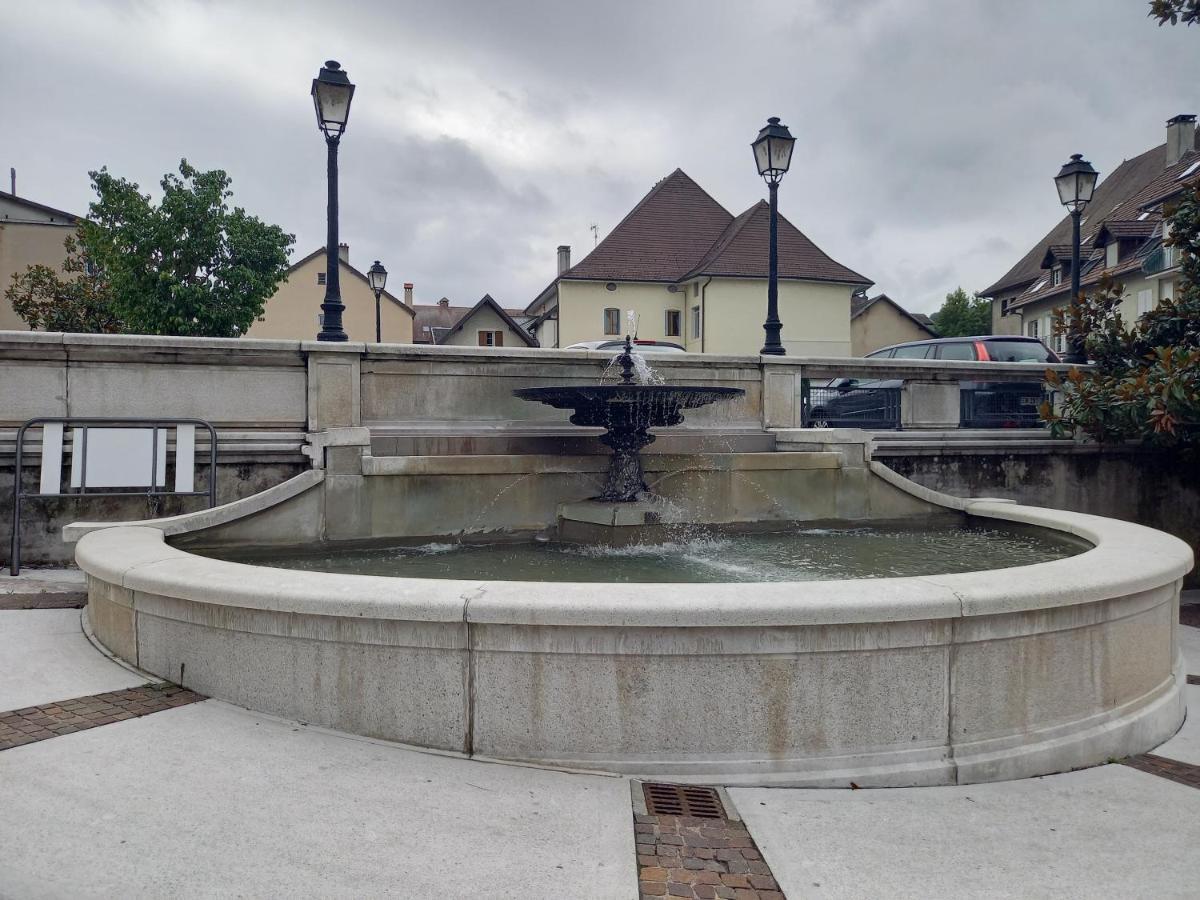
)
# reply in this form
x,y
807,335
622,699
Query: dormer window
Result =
x,y
1056,275
1111,254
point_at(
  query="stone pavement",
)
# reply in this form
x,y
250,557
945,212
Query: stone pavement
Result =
x,y
206,799
42,589
44,657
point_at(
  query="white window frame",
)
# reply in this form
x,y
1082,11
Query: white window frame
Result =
x,y
1031,328
1145,301
615,319
678,332
697,322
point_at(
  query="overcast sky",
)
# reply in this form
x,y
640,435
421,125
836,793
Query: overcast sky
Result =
x,y
483,134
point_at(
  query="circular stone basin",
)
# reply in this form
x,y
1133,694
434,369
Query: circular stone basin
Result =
x,y
798,553
912,680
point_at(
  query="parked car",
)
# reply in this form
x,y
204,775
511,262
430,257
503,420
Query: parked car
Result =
x,y
616,346
854,403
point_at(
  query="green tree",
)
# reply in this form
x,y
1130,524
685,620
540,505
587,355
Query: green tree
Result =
x,y
188,265
962,315
47,301
1145,380
1175,11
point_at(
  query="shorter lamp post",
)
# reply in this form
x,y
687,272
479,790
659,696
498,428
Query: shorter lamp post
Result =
x,y
332,93
773,155
377,276
1075,182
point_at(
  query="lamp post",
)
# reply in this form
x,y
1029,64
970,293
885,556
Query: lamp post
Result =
x,y
377,276
1075,182
773,155
332,93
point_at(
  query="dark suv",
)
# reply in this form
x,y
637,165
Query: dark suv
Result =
x,y
852,403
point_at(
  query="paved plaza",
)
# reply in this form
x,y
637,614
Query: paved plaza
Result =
x,y
199,798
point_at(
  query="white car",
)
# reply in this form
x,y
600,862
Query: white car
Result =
x,y
615,345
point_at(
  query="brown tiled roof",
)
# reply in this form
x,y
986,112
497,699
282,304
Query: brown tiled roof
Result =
x,y
741,252
661,239
1112,199
1063,252
677,231
1172,181
1124,230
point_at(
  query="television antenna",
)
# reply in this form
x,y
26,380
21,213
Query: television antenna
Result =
x,y
595,229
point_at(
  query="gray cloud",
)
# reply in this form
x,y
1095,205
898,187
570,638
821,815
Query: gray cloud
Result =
x,y
484,134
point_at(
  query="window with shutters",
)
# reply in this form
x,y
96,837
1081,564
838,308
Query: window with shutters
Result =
x,y
491,339
320,278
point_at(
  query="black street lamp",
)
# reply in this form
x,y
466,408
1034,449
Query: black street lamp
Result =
x,y
332,93
377,277
773,155
1075,183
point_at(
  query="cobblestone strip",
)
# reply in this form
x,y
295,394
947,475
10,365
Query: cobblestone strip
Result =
x,y
38,723
43,601
685,856
1184,773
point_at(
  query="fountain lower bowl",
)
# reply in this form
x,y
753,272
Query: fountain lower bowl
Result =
x,y
953,678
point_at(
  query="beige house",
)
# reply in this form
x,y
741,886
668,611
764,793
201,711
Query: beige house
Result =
x,y
30,234
293,312
1122,238
486,324
880,321
693,274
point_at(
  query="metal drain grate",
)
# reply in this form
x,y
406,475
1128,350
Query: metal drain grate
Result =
x,y
682,800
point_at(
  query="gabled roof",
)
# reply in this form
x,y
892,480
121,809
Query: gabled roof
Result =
x,y
68,218
320,251
434,320
860,303
1057,253
1125,230
661,239
1113,198
677,231
486,300
740,252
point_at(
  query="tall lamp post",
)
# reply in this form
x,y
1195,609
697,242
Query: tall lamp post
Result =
x,y
773,155
332,93
1075,183
377,276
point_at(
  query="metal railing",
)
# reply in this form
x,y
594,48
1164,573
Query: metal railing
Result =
x,y
83,424
851,405
1001,406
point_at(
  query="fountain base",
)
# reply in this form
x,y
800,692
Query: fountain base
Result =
x,y
613,523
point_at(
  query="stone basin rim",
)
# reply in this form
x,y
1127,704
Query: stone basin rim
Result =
x,y
1134,558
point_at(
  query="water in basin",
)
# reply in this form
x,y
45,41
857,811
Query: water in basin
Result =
x,y
796,553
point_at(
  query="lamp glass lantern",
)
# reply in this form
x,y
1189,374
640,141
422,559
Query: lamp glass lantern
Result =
x,y
377,276
773,150
332,93
1075,182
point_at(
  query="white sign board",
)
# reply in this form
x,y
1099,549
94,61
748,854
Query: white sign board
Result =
x,y
118,457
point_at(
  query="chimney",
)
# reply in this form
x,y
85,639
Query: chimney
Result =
x,y
408,293
344,253
444,302
1181,137
564,258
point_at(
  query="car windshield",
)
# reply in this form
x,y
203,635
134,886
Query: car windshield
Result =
x,y
1018,351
